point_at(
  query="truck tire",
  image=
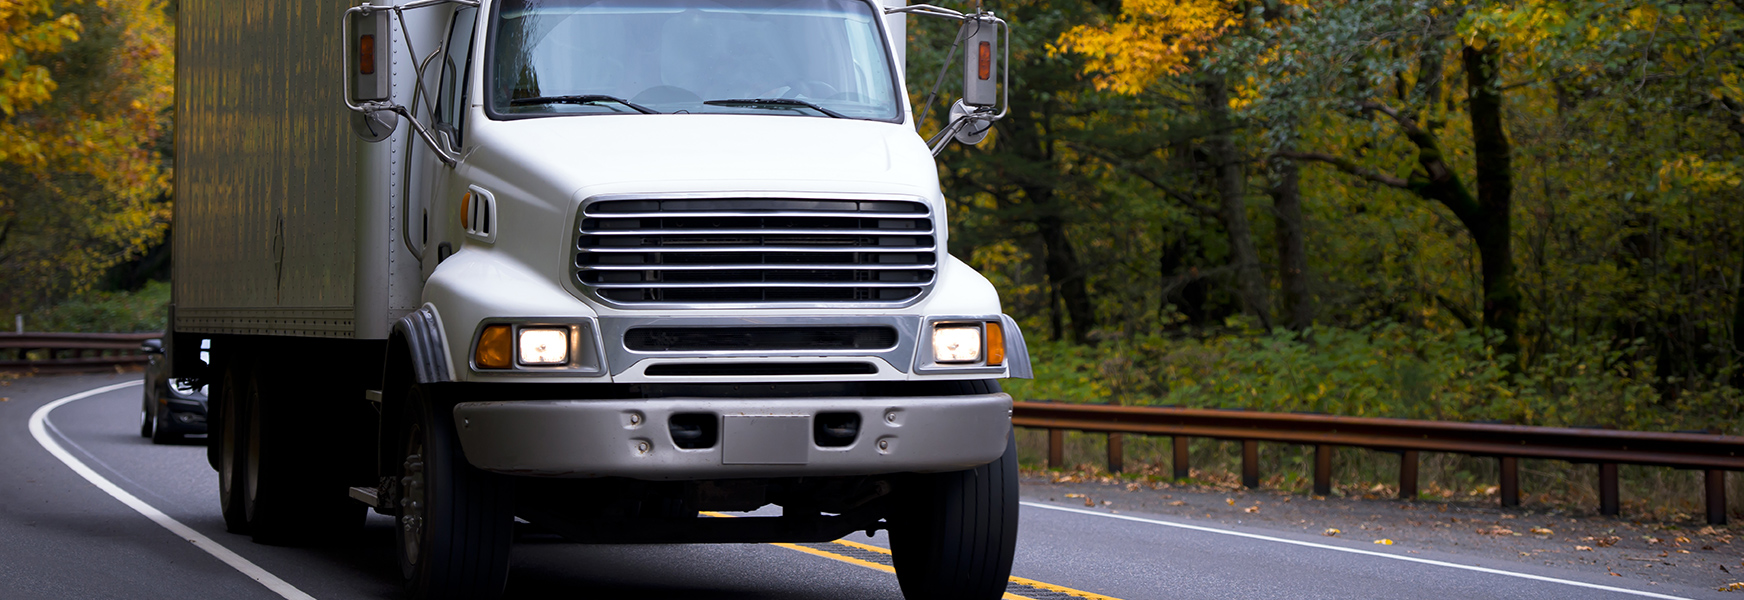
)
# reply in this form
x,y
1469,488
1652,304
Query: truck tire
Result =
x,y
457,522
230,443
955,533
295,490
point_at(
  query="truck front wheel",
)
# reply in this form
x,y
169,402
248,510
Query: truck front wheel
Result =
x,y
955,533
456,522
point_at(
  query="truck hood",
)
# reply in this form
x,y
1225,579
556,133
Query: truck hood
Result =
x,y
591,155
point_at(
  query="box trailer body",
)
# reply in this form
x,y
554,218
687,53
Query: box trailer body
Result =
x,y
431,266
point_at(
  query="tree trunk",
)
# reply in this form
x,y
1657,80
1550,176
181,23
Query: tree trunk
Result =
x,y
1738,329
1250,283
1063,269
1298,308
1493,228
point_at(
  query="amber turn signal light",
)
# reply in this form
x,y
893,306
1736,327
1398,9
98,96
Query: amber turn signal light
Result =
x,y
995,345
495,348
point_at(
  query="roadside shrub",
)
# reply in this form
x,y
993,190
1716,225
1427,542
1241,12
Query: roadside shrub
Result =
x,y
107,312
1385,370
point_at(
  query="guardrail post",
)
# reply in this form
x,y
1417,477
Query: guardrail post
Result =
x,y
1322,470
1116,453
1510,485
1408,475
1183,469
1250,464
1608,489
1056,448
1716,480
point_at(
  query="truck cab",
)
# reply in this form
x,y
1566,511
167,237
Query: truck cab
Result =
x,y
619,265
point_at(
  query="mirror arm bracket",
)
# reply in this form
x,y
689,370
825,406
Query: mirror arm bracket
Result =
x,y
365,9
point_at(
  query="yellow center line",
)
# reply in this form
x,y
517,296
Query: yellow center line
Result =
x,y
1031,583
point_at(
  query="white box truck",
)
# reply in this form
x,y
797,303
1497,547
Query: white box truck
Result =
x,y
604,266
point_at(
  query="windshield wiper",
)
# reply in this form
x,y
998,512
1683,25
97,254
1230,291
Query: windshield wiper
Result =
x,y
778,103
583,99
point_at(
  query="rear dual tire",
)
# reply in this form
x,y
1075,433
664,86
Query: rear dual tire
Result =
x,y
276,480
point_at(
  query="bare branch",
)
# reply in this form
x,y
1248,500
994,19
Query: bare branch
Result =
x,y
1405,121
1349,166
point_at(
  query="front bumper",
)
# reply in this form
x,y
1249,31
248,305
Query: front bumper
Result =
x,y
630,438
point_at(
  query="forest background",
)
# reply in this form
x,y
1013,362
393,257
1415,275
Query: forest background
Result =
x,y
1526,210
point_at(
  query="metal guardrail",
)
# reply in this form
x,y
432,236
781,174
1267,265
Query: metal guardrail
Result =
x,y
72,352
1711,453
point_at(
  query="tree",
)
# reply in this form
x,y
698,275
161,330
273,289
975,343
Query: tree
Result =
x,y
86,87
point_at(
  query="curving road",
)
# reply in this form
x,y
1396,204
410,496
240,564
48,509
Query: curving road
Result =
x,y
63,535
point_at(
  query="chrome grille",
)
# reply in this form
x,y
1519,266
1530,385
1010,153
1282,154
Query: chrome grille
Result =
x,y
755,251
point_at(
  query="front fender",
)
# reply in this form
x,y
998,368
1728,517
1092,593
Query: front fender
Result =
x,y
477,284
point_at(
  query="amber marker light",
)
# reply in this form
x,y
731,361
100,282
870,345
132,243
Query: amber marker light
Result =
x,y
366,55
995,345
984,69
495,348
466,212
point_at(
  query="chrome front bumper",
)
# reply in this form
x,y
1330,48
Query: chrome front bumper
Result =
x,y
758,437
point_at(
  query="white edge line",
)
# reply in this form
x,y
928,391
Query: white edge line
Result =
x,y
1425,561
38,421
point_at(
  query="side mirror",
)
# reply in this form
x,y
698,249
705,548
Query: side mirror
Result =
x,y
369,61
152,346
980,39
975,126
369,73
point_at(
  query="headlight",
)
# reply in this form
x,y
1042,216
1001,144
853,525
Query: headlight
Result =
x,y
544,346
956,344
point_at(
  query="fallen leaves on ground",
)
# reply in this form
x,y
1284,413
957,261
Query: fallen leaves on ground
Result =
x,y
1251,509
1497,530
1602,542
1542,531
1736,586
1231,501
1331,532
1384,542
1178,503
1652,540
1583,548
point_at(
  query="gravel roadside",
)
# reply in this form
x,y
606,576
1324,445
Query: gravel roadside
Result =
x,y
1690,553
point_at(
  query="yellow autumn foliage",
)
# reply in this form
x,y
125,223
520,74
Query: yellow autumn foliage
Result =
x,y
1149,40
85,90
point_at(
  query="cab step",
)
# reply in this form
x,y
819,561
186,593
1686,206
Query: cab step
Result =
x,y
367,495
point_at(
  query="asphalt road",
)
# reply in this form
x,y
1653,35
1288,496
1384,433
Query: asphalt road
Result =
x,y
62,536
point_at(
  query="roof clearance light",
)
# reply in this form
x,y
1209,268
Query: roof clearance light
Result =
x,y
544,346
957,344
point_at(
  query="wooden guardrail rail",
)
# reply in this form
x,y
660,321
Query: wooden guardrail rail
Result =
x,y
1711,453
72,352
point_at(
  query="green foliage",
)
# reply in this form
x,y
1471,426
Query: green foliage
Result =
x,y
1382,370
107,312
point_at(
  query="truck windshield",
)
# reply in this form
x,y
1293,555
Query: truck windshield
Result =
x,y
816,58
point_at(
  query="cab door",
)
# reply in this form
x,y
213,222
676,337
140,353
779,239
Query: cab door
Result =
x,y
434,187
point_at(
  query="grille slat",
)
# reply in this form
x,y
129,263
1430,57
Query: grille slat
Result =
x,y
756,251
